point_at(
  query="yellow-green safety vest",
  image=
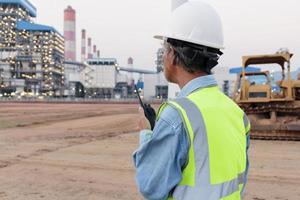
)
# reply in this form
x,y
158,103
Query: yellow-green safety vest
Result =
x,y
217,130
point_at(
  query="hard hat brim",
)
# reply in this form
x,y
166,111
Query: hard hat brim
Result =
x,y
162,37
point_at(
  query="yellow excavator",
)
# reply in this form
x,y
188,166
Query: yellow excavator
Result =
x,y
272,107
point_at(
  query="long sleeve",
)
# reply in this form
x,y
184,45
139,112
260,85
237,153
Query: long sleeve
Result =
x,y
160,158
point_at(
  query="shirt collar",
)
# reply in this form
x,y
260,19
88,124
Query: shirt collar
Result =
x,y
197,83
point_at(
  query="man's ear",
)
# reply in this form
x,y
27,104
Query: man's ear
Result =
x,y
172,56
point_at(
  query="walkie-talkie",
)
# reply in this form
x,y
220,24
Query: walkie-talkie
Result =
x,y
149,112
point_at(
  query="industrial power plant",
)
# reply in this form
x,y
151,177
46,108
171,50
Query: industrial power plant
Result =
x,y
36,61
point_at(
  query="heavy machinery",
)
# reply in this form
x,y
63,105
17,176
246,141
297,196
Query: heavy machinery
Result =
x,y
272,107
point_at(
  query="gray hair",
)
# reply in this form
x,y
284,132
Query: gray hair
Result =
x,y
192,57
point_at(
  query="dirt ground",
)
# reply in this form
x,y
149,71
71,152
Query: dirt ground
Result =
x,y
83,152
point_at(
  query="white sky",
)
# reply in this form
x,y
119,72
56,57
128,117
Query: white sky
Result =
x,y
123,28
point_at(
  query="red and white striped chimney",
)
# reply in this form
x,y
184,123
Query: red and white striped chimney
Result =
x,y
70,33
90,55
83,45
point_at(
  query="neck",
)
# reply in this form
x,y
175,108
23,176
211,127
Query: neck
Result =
x,y
187,77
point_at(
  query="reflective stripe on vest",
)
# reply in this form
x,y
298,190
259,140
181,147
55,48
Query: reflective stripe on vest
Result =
x,y
202,179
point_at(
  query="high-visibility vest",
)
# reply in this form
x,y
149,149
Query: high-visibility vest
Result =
x,y
217,130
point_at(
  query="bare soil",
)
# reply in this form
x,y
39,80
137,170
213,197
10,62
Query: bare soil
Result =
x,y
83,152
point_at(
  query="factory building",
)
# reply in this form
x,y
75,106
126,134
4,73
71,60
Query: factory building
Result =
x,y
124,88
40,60
97,78
31,55
74,79
100,77
155,86
10,13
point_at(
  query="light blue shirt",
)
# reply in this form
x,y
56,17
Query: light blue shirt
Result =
x,y
163,153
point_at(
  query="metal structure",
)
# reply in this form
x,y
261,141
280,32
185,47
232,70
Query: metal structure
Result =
x,y
10,13
70,33
73,77
100,77
88,76
135,70
39,59
31,55
274,114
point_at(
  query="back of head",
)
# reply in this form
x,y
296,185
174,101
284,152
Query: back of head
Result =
x,y
195,32
194,58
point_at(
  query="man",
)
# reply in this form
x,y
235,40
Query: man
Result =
x,y
197,149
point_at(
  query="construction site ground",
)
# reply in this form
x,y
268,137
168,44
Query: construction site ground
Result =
x,y
83,152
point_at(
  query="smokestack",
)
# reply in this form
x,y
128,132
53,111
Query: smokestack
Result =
x,y
90,55
94,51
83,45
130,61
70,33
98,54
177,3
130,65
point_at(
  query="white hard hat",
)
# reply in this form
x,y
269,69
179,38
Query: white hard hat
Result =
x,y
195,22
